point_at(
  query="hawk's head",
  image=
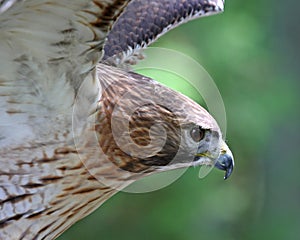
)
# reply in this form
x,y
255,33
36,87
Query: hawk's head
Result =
x,y
153,128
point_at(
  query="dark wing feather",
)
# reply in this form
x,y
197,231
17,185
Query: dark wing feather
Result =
x,y
143,21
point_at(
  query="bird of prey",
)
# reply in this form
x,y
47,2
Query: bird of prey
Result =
x,y
76,126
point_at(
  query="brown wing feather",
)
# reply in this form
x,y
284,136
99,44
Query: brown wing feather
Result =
x,y
144,21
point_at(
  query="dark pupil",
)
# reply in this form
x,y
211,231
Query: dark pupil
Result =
x,y
197,134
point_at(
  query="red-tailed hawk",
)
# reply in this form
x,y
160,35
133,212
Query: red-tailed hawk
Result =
x,y
75,126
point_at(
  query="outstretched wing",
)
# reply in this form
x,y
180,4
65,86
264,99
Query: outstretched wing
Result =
x,y
48,47
144,21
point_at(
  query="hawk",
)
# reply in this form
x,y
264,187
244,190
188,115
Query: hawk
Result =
x,y
76,125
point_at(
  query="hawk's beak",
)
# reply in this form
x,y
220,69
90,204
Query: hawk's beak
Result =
x,y
225,161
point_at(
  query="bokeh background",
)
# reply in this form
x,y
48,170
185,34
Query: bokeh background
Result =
x,y
252,52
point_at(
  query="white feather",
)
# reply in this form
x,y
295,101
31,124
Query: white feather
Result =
x,y
46,52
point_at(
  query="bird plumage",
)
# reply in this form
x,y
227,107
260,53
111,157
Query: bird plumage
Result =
x,y
63,145
144,21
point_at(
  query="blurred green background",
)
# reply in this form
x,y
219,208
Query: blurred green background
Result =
x,y
252,53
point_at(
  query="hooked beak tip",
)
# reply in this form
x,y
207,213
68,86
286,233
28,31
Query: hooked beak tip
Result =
x,y
225,162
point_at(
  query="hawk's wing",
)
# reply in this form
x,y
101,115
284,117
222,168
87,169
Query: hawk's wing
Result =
x,y
47,48
144,21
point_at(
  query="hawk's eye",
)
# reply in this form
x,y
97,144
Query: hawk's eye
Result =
x,y
197,133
